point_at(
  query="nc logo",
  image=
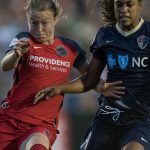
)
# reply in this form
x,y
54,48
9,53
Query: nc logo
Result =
x,y
111,61
142,41
123,61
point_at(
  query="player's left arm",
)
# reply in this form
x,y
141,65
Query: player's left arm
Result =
x,y
108,89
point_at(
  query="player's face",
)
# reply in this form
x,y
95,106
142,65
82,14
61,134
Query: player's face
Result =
x,y
41,25
127,13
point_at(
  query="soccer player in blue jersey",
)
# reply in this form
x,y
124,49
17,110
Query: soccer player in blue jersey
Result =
x,y
40,58
124,45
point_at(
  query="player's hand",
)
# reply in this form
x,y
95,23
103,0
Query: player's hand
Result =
x,y
113,89
46,94
21,47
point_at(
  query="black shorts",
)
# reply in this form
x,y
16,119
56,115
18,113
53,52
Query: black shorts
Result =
x,y
113,128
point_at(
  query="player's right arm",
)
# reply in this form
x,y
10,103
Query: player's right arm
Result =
x,y
10,61
82,84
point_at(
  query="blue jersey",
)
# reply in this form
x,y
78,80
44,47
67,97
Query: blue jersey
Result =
x,y
128,60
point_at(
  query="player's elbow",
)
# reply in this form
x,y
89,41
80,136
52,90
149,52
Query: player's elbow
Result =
x,y
5,66
89,84
2,66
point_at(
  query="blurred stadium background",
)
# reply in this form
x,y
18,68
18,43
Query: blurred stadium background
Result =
x,y
80,21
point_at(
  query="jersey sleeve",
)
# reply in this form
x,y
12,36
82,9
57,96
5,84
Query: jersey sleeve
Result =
x,y
98,43
81,54
16,38
81,58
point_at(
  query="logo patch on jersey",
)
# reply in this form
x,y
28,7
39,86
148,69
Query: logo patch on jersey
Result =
x,y
61,51
123,61
111,61
142,41
109,41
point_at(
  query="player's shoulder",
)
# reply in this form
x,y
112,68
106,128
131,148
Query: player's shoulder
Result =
x,y
70,42
23,35
106,30
147,23
147,26
104,33
66,40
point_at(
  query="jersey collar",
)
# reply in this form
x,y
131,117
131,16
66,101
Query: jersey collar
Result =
x,y
127,33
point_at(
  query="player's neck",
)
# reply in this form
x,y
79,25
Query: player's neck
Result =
x,y
127,33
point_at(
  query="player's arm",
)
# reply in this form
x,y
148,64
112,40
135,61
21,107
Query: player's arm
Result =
x,y
82,84
110,89
10,61
114,89
83,68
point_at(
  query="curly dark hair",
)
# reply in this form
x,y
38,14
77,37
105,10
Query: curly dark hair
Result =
x,y
107,10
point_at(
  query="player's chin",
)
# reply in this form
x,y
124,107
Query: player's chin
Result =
x,y
125,25
41,39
